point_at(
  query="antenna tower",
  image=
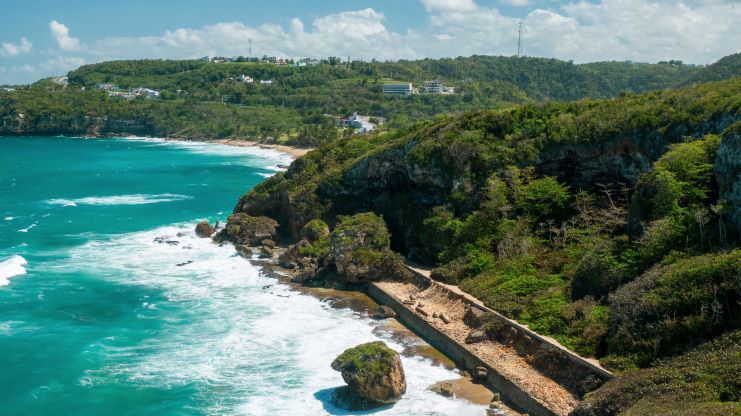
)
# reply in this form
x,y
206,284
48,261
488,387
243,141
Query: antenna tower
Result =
x,y
250,49
519,39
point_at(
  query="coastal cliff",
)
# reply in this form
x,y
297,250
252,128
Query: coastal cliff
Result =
x,y
586,220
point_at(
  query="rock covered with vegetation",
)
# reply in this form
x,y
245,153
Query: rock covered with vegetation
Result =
x,y
607,224
374,376
315,230
247,230
360,247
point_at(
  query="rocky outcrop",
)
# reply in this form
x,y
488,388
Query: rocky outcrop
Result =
x,y
204,229
360,248
374,377
384,312
247,230
314,230
292,258
728,173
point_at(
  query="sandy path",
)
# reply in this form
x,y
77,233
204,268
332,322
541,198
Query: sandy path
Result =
x,y
502,358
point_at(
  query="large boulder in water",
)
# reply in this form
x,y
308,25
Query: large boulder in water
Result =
x,y
247,230
204,229
373,374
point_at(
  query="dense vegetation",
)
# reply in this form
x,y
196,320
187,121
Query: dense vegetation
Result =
x,y
608,224
207,100
704,381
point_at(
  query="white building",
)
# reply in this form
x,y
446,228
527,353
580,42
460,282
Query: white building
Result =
x,y
436,87
145,92
433,87
246,79
399,89
361,124
266,81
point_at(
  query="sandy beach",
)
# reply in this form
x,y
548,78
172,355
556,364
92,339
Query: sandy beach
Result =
x,y
296,152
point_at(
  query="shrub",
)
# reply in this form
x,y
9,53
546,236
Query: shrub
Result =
x,y
544,199
315,230
673,307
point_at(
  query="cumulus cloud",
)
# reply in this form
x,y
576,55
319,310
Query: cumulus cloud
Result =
x,y
13,49
690,30
449,5
60,33
696,31
62,64
361,33
516,2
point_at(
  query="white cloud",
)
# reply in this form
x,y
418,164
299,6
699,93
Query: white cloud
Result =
x,y
691,30
696,31
62,64
518,3
12,49
60,33
449,5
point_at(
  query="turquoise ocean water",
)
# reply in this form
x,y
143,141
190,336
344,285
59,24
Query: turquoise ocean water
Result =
x,y
98,318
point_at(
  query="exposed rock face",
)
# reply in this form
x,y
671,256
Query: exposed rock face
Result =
x,y
406,180
373,374
292,257
266,252
383,312
244,251
204,229
728,173
476,336
474,317
247,230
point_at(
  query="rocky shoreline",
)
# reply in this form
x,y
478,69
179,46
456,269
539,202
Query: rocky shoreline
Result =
x,y
353,297
534,374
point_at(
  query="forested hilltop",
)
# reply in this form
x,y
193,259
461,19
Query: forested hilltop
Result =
x,y
208,100
612,225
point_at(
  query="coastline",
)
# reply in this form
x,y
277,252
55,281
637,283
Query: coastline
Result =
x,y
461,388
296,152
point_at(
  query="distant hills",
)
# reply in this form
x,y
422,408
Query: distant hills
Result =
x,y
199,99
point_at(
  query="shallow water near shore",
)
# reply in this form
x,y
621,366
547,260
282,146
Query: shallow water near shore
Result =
x,y
96,317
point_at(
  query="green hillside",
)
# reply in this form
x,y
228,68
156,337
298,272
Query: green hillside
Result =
x,y
205,100
612,225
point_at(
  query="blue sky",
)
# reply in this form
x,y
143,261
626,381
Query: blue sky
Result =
x,y
42,38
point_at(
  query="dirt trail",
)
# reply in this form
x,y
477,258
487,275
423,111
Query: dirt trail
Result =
x,y
434,300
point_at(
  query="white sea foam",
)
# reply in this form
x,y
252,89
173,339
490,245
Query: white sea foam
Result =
x,y
25,230
135,199
263,348
254,155
14,266
8,218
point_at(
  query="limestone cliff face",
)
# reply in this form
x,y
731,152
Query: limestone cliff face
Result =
x,y
438,166
83,125
621,159
728,172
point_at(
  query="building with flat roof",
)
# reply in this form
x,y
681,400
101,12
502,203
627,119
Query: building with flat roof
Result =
x,y
398,89
433,87
436,87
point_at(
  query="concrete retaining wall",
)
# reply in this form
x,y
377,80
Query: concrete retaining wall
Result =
x,y
584,367
460,355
